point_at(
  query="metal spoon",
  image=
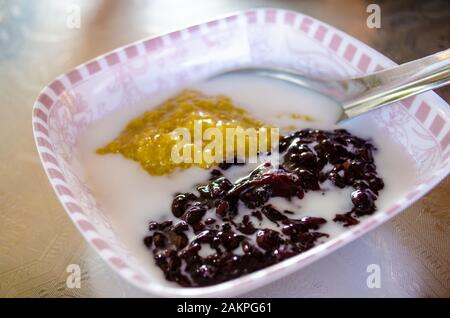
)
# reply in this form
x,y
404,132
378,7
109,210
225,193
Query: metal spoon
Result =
x,y
363,94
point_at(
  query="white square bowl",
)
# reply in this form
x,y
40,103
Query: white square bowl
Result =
x,y
136,72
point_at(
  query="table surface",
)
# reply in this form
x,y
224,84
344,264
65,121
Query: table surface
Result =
x,y
37,239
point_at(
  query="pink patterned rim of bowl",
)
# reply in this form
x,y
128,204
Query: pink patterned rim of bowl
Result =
x,y
255,37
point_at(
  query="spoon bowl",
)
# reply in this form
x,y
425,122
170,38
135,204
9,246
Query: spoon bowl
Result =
x,y
363,94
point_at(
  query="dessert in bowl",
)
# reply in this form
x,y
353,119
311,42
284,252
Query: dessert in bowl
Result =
x,y
332,185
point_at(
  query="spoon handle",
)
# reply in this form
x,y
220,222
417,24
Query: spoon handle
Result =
x,y
394,84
